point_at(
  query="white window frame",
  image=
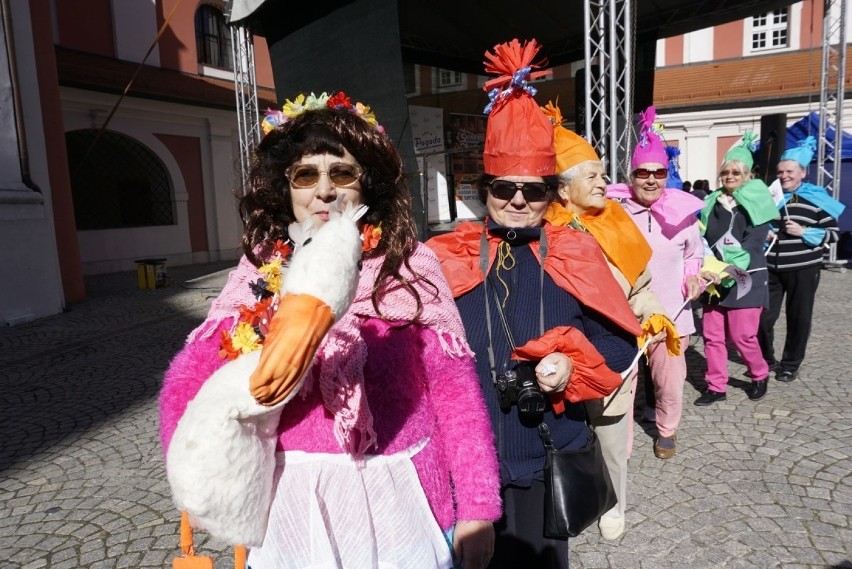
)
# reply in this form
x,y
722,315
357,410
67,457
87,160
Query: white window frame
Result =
x,y
457,76
794,19
205,68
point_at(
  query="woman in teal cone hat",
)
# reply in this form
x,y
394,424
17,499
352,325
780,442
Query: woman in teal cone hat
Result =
x,y
735,221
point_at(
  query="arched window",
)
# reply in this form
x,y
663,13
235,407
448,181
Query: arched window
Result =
x,y
212,38
116,182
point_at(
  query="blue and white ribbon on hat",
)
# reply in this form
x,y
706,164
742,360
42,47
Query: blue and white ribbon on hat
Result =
x,y
520,82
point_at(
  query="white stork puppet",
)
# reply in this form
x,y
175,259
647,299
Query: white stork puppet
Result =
x,y
221,460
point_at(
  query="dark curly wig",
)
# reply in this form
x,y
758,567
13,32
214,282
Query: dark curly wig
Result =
x,y
267,209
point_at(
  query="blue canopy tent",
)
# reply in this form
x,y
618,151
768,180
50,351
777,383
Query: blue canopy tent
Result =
x,y
809,125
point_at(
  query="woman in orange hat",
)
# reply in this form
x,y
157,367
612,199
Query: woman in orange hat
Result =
x,y
583,205
532,297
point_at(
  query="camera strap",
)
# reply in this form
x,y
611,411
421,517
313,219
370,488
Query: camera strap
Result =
x,y
483,266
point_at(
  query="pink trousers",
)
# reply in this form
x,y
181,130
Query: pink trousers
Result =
x,y
668,373
739,325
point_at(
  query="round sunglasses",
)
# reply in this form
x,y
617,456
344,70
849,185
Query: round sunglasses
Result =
x,y
305,176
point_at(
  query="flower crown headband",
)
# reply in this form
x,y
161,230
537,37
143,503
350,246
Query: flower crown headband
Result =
x,y
302,103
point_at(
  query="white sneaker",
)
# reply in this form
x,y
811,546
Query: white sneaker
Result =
x,y
611,527
649,414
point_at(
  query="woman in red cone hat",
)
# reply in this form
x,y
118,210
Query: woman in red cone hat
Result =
x,y
570,329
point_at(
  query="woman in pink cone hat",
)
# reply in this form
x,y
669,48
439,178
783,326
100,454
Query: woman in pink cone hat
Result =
x,y
666,217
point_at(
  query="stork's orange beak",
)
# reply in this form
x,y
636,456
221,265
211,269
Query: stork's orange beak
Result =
x,y
295,333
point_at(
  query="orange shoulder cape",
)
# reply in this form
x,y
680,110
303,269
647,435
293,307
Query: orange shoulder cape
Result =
x,y
574,262
617,234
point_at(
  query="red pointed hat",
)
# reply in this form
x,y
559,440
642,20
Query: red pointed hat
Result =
x,y
518,137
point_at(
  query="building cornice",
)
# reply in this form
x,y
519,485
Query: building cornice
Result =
x,y
98,73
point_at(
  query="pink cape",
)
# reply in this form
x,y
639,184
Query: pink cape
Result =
x,y
672,207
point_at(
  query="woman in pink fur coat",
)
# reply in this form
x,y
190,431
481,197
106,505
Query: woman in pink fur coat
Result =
x,y
385,454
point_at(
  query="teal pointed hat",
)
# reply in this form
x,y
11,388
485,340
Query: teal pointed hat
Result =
x,y
802,153
743,150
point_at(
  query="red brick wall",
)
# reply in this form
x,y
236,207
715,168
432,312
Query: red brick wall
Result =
x,y
728,40
85,25
187,153
177,44
811,25
674,51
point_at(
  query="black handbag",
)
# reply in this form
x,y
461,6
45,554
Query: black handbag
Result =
x,y
577,487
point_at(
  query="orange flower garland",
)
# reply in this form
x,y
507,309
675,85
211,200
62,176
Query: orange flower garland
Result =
x,y
370,236
253,321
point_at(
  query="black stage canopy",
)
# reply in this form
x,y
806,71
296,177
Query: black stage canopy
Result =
x,y
454,34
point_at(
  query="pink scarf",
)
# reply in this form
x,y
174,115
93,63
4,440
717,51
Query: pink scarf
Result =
x,y
671,208
340,359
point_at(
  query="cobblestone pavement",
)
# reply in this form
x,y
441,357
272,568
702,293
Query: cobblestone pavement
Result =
x,y
82,482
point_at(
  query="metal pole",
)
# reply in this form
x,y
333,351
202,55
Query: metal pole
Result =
x,y
832,93
245,93
613,98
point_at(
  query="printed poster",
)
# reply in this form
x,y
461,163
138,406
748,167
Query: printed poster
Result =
x,y
467,132
427,129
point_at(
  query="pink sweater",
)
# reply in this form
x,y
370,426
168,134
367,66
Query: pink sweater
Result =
x,y
677,252
415,389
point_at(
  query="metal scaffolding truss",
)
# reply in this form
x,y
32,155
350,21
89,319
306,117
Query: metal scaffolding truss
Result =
x,y
609,40
245,89
831,100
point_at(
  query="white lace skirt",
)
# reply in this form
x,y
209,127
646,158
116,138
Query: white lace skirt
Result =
x,y
331,512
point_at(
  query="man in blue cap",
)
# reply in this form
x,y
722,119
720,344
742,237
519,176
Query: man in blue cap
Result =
x,y
807,227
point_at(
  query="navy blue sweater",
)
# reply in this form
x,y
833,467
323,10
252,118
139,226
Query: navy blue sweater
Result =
x,y
519,447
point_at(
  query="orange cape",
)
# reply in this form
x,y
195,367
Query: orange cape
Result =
x,y
617,234
574,262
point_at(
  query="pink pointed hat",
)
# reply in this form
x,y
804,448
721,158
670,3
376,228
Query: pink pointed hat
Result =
x,y
650,147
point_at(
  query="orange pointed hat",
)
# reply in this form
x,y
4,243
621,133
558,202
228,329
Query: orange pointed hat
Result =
x,y
518,137
570,148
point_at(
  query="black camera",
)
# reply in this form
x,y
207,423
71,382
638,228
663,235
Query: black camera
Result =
x,y
518,386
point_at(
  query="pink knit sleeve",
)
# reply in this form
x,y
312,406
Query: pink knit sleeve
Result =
x,y
464,428
187,372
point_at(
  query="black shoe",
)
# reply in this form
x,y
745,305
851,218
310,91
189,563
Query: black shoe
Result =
x,y
710,397
757,390
786,375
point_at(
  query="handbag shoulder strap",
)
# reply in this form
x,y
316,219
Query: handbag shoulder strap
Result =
x,y
544,433
483,267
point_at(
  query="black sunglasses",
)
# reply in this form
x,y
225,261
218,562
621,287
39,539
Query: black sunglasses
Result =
x,y
506,190
642,173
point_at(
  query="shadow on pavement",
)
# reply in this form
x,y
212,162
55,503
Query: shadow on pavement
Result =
x,y
69,373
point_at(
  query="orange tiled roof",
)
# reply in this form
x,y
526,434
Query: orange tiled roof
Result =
x,y
789,75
